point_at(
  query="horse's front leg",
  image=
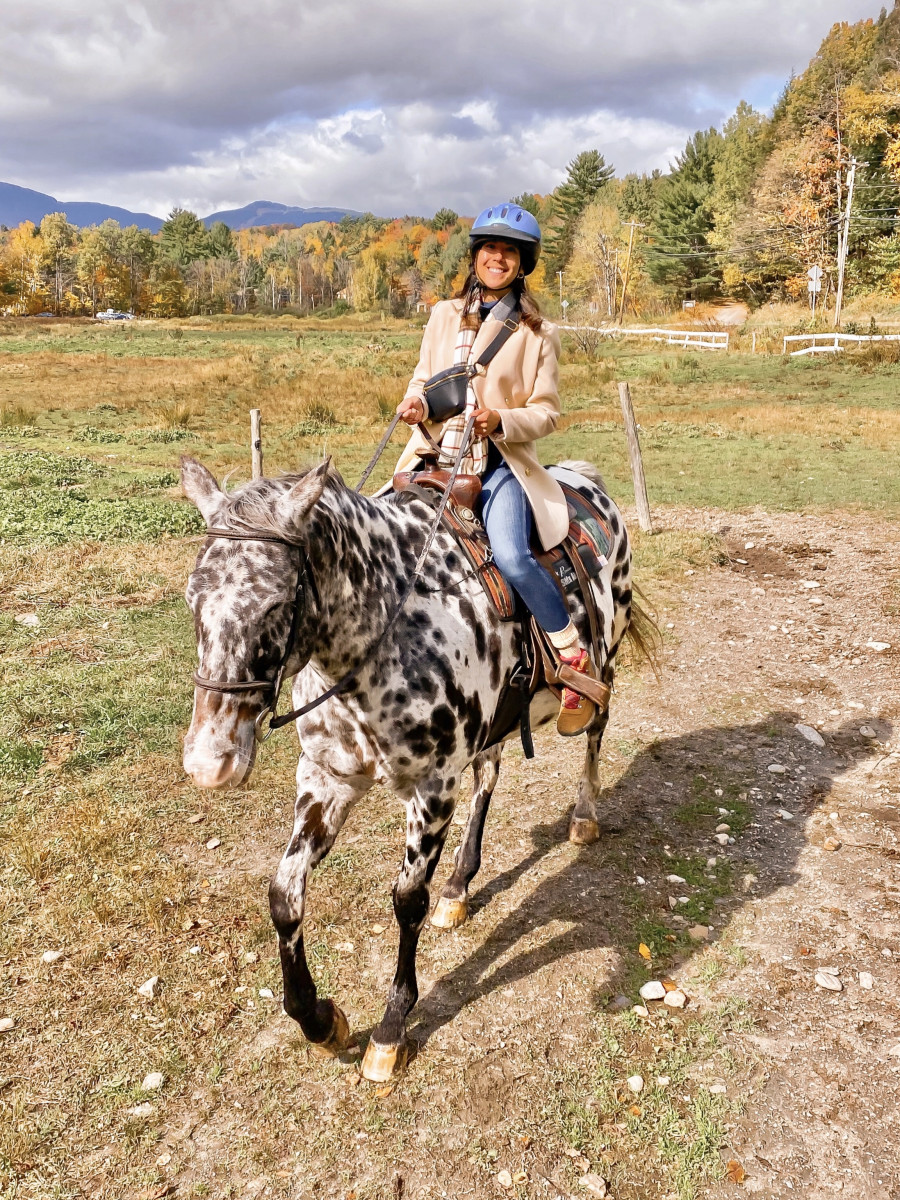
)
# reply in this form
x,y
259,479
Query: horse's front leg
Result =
x,y
323,801
427,822
452,908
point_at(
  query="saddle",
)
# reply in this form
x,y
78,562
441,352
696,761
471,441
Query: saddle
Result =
x,y
573,564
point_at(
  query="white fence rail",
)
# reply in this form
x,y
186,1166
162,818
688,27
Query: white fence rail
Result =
x,y
831,342
697,339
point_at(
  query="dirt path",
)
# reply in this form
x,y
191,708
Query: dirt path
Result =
x,y
519,1087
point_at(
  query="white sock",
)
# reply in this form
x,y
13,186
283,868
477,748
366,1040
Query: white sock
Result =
x,y
565,639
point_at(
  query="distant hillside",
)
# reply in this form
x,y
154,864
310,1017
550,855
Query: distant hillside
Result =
x,y
266,212
18,204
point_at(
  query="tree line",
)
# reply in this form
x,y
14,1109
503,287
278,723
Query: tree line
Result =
x,y
744,211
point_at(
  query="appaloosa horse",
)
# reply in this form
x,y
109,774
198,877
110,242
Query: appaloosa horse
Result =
x,y
299,576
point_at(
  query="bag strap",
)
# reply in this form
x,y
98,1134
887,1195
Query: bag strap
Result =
x,y
508,328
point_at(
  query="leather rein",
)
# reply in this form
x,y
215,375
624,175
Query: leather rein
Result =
x,y
305,577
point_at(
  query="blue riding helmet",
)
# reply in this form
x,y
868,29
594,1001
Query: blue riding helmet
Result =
x,y
509,223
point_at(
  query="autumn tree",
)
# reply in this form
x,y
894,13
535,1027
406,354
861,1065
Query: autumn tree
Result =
x,y
597,244
59,239
25,249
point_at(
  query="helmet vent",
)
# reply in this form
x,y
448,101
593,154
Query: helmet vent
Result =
x,y
504,211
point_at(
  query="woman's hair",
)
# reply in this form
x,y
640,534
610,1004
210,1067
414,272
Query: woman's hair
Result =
x,y
528,306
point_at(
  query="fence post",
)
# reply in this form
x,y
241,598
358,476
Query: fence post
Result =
x,y
753,350
634,455
256,457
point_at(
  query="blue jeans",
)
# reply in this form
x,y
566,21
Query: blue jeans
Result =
x,y
507,518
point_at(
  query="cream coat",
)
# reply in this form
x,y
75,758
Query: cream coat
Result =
x,y
521,383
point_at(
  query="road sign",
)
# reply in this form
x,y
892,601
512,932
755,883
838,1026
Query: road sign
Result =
x,y
815,274
814,285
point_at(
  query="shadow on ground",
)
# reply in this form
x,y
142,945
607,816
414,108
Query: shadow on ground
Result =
x,y
646,828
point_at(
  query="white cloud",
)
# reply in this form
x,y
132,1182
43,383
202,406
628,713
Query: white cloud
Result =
x,y
399,107
412,159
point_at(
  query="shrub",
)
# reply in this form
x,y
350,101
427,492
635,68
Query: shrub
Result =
x,y
90,433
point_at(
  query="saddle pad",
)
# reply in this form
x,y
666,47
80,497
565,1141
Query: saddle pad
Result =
x,y
472,540
588,521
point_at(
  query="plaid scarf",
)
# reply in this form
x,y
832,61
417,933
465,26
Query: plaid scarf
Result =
x,y
475,461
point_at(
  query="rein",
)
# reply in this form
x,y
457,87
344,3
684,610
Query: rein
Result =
x,y
305,574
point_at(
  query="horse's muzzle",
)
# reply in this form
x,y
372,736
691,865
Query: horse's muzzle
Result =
x,y
220,745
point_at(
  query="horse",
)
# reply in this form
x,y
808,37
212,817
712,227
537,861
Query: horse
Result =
x,y
405,685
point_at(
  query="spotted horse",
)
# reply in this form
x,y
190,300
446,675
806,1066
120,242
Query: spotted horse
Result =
x,y
299,577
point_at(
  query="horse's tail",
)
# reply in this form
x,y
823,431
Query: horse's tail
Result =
x,y
642,634
581,467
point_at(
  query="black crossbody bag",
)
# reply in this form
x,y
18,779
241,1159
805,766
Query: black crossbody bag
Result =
x,y
445,393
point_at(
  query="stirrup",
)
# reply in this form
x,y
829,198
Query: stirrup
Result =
x,y
577,710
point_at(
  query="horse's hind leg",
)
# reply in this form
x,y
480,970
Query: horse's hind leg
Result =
x,y
584,827
323,802
428,818
452,908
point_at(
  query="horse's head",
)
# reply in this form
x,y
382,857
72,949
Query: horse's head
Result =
x,y
248,597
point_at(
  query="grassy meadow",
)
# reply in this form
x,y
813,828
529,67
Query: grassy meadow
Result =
x,y
104,842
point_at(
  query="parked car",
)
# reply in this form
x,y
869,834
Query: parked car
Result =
x,y
111,315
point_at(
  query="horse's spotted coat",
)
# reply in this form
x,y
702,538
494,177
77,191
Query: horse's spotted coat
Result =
x,y
418,713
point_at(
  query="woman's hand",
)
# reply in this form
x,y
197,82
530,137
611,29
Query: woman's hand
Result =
x,y
486,421
412,410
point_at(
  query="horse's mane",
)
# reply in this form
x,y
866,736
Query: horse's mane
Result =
x,y
254,505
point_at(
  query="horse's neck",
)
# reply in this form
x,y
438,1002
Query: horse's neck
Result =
x,y
357,554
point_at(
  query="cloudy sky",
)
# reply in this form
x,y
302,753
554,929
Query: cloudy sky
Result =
x,y
399,106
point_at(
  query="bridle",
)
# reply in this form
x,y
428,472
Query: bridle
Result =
x,y
305,579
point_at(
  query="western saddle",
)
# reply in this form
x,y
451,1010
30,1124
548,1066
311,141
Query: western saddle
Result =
x,y
579,558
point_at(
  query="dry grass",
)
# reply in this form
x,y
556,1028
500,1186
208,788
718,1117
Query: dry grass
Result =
x,y
105,864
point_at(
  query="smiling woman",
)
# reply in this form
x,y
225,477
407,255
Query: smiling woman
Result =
x,y
506,358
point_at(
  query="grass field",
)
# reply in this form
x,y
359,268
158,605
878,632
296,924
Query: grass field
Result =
x,y
105,854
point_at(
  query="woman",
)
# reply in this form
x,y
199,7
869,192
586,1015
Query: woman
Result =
x,y
515,401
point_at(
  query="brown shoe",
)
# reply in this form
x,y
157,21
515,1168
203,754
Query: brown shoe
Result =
x,y
576,711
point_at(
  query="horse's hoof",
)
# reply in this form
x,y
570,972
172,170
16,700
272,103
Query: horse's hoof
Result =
x,y
337,1041
449,914
583,832
381,1063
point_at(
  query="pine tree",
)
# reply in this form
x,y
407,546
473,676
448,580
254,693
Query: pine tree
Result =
x,y
586,175
680,256
443,219
529,202
183,237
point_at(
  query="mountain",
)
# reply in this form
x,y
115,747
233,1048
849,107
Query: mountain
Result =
x,y
18,204
266,212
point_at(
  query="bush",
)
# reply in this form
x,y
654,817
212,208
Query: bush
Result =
x,y
159,435
41,469
90,433
53,517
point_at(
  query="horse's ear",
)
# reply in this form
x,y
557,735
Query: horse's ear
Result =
x,y
299,502
200,485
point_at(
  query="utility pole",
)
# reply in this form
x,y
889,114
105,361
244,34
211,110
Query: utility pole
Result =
x,y
559,273
843,242
632,225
